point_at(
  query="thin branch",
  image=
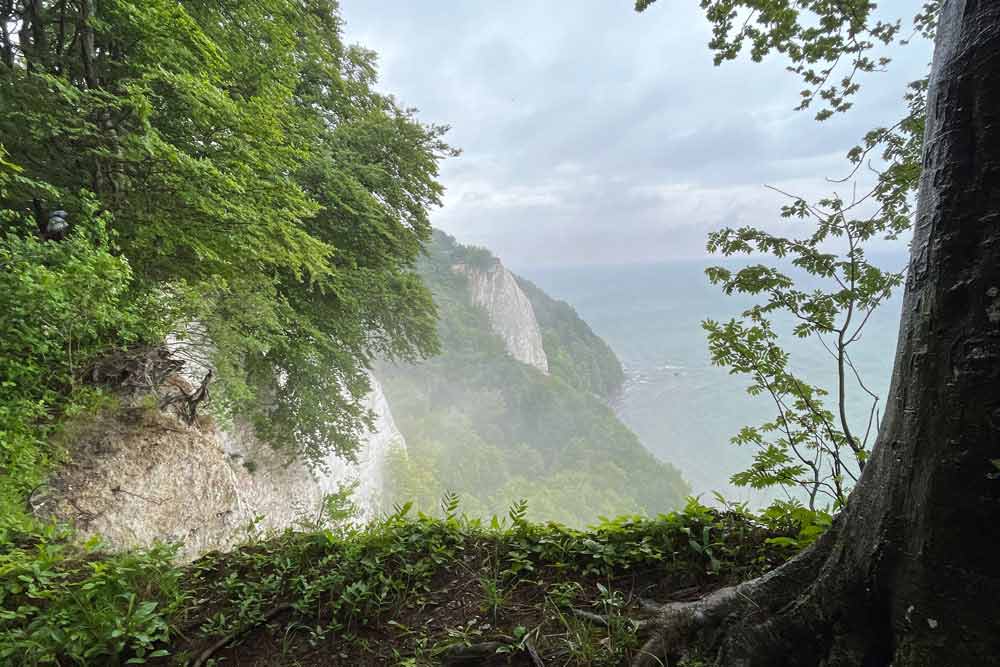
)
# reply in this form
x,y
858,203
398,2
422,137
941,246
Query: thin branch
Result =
x,y
220,643
857,376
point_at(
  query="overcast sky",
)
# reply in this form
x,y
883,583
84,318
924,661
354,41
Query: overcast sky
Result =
x,y
592,134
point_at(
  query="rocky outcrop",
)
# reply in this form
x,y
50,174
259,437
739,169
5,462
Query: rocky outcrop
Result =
x,y
285,492
139,475
495,289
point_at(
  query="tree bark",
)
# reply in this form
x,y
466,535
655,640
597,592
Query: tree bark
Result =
x,y
6,41
87,49
910,573
936,484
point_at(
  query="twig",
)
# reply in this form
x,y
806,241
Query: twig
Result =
x,y
468,654
230,636
536,659
156,501
746,597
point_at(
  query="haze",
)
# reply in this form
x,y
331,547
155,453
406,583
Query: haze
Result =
x,y
595,135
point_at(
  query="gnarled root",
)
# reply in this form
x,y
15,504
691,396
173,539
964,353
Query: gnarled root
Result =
x,y
771,620
681,625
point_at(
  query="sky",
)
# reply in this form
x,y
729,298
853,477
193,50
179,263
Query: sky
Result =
x,y
591,134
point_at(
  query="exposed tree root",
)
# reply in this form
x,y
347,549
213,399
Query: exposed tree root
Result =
x,y
476,654
759,622
472,654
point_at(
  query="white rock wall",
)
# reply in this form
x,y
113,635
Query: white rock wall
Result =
x,y
140,475
496,291
282,491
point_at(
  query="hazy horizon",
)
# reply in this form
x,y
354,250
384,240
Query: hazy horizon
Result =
x,y
595,135
898,251
683,408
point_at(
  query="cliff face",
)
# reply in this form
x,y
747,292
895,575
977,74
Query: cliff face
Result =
x,y
576,354
481,422
286,492
141,475
495,289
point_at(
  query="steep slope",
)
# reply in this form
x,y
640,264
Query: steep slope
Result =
x,y
575,353
496,290
480,423
137,475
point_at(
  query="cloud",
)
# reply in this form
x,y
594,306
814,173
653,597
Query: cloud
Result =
x,y
593,134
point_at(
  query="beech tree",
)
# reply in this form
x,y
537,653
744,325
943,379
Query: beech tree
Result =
x,y
908,574
253,179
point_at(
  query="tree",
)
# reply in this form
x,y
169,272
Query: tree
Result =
x,y
808,446
907,575
251,175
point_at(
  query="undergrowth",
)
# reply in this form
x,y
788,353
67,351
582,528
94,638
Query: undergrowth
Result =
x,y
405,590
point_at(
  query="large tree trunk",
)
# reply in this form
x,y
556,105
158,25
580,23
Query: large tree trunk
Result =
x,y
910,573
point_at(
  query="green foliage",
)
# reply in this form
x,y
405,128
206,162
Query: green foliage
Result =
x,y
230,176
61,604
804,446
62,305
827,44
255,181
575,353
337,511
801,524
494,430
473,256
407,587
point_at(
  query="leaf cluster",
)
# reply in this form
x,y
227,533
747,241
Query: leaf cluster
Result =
x,y
260,189
59,602
62,305
829,45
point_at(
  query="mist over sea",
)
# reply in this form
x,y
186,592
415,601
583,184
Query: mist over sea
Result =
x,y
682,408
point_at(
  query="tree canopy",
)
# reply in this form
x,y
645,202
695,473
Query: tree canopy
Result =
x,y
816,449
262,199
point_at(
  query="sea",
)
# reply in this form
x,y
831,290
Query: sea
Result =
x,y
684,409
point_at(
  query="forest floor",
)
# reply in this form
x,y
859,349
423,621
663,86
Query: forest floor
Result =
x,y
451,591
405,590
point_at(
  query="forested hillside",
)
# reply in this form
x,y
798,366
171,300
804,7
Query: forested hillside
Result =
x,y
494,430
228,179
576,354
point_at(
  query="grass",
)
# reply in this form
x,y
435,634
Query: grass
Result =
x,y
406,590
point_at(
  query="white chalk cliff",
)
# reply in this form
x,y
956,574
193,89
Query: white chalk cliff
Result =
x,y
141,475
286,492
496,291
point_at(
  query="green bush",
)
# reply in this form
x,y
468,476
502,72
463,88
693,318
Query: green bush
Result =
x,y
62,304
339,589
59,602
